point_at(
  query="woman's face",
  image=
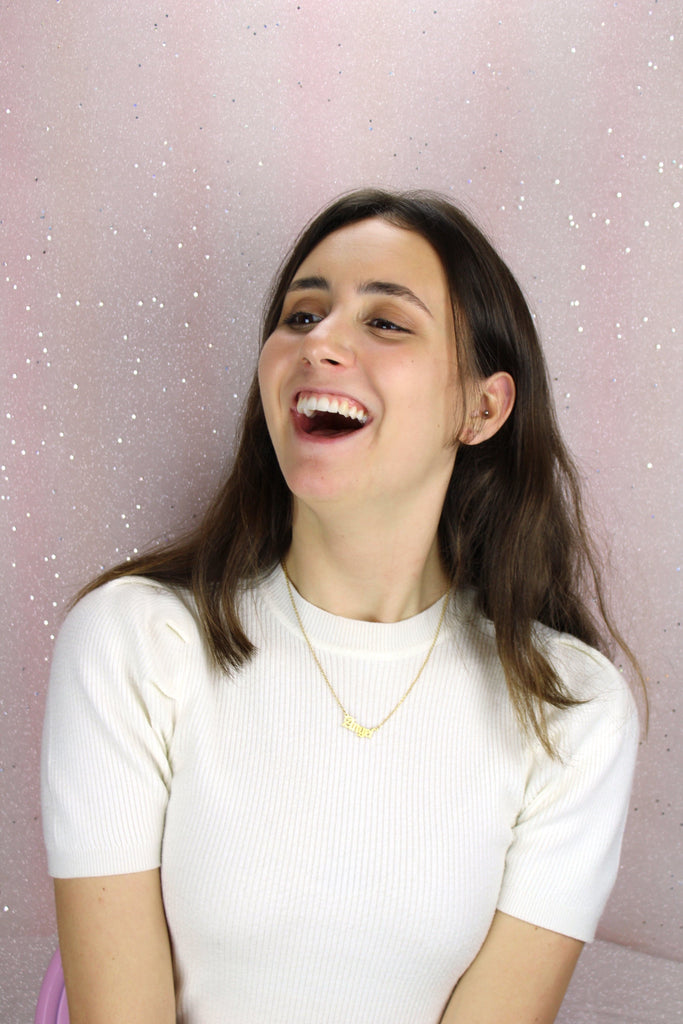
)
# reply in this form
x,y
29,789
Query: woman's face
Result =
x,y
358,380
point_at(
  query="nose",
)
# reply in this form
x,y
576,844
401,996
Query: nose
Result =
x,y
328,342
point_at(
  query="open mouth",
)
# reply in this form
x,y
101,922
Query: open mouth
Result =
x,y
329,415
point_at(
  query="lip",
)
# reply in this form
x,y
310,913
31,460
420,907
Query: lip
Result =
x,y
298,419
331,392
322,439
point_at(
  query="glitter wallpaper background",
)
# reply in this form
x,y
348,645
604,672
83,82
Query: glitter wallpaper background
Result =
x,y
157,159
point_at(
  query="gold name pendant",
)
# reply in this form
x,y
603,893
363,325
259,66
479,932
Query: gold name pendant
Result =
x,y
352,725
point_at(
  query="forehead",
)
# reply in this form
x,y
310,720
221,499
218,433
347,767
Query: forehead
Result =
x,y
376,249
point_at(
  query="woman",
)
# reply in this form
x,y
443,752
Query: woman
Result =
x,y
349,753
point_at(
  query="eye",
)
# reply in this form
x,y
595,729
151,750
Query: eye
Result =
x,y
387,325
302,319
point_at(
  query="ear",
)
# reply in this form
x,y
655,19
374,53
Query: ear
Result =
x,y
495,398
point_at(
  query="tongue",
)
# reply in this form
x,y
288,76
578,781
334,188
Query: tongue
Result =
x,y
331,424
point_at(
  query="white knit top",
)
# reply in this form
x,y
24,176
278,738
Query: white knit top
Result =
x,y
309,875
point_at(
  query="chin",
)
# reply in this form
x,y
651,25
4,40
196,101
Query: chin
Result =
x,y
320,492
322,488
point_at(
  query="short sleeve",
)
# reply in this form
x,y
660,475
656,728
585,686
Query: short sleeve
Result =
x,y
564,856
108,730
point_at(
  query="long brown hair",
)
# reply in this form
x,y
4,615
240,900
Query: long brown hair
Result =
x,y
512,525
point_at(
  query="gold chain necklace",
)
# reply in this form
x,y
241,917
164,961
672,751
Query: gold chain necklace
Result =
x,y
350,722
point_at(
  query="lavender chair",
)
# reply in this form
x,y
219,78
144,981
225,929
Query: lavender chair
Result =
x,y
52,1008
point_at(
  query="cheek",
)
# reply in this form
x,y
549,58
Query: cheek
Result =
x,y
450,391
264,361
267,373
430,393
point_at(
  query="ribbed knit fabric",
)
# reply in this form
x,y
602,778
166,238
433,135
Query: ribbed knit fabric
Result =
x,y
310,876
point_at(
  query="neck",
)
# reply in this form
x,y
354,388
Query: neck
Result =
x,y
381,571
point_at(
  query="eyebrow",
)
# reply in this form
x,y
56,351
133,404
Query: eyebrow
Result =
x,y
366,288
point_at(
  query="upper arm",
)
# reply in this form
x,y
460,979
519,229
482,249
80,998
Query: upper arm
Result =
x,y
519,976
115,949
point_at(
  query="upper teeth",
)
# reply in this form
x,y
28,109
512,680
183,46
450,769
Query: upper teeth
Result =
x,y
309,405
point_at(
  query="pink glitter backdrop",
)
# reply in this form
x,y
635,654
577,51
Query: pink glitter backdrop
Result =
x,y
156,161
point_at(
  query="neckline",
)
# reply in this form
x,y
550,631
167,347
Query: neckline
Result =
x,y
355,636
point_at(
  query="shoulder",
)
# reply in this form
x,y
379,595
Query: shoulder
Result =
x,y
139,625
135,604
586,673
603,727
605,712
588,676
